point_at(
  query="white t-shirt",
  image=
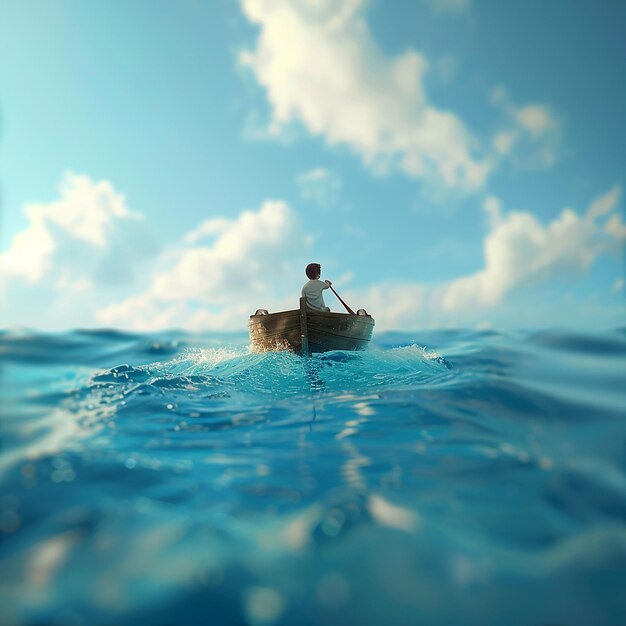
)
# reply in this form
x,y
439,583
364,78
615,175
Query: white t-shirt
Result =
x,y
312,291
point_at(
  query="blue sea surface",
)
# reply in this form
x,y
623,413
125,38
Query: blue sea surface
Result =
x,y
437,478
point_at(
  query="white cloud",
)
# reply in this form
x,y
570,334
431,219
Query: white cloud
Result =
x,y
217,285
320,66
605,204
615,227
505,140
393,304
493,209
88,237
535,119
207,229
142,312
521,251
320,186
243,259
529,133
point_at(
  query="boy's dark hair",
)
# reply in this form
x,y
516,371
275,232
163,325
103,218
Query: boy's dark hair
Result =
x,y
313,270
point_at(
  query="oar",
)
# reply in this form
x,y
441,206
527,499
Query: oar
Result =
x,y
342,302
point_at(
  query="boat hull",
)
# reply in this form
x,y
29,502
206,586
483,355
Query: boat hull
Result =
x,y
322,331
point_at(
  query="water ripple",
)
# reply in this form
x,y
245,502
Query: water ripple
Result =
x,y
175,478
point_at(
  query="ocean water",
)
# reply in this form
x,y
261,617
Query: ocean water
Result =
x,y
438,478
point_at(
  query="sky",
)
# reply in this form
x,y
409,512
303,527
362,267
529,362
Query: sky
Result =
x,y
450,163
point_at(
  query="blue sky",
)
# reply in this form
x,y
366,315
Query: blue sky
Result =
x,y
177,164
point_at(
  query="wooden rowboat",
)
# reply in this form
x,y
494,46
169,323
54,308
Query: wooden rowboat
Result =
x,y
304,330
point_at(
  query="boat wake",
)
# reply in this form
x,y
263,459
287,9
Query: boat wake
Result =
x,y
283,374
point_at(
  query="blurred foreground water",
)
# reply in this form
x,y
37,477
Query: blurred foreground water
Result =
x,y
440,478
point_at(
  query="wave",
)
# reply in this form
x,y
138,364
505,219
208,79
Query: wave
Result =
x,y
485,467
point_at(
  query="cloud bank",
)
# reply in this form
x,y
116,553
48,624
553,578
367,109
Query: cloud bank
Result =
x,y
221,272
80,251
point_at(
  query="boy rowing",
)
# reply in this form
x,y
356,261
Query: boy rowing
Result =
x,y
312,290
